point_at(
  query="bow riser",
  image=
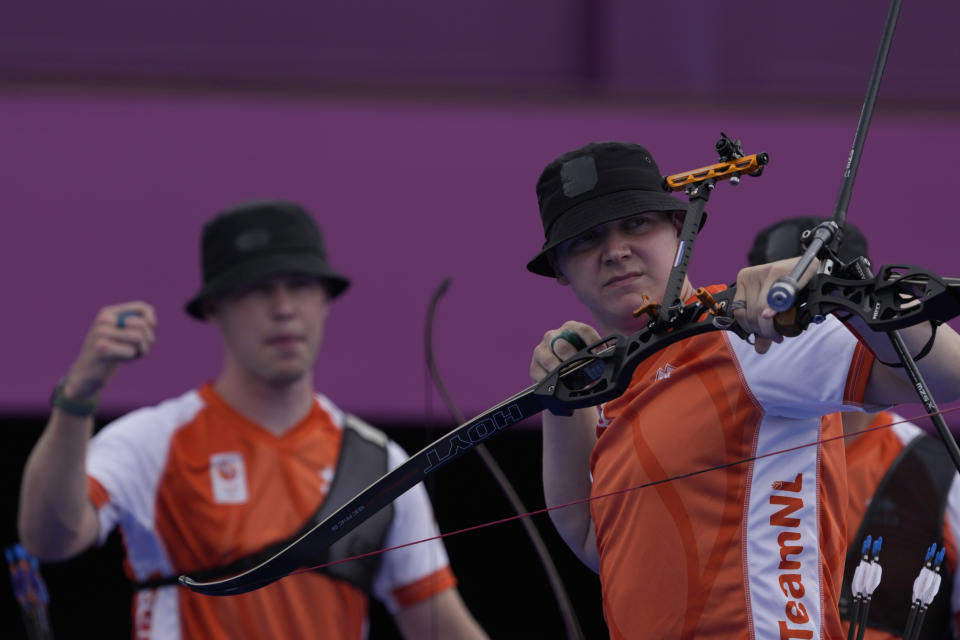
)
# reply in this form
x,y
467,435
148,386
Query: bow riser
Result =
x,y
900,296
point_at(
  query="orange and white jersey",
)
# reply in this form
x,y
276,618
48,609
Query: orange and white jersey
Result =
x,y
193,484
869,457
750,549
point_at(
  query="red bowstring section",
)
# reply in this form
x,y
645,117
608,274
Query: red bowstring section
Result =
x,y
629,489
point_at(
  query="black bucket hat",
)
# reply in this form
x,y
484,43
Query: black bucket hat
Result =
x,y
258,240
781,240
593,185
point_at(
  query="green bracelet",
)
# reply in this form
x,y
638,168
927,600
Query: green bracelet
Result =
x,y
78,408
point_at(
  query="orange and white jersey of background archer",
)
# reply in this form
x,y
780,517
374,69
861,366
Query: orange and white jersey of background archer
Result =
x,y
194,484
748,550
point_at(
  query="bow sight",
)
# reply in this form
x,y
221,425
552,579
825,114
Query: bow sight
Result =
x,y
732,164
697,184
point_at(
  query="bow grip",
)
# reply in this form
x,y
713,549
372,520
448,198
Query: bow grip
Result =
x,y
786,323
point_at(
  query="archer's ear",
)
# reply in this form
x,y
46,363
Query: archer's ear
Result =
x,y
552,259
678,218
209,309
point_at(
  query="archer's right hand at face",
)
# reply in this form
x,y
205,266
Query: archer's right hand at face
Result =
x,y
558,345
120,333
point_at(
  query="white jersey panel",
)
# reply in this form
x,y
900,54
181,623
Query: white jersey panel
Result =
x,y
127,457
800,377
782,530
332,410
156,614
905,431
795,383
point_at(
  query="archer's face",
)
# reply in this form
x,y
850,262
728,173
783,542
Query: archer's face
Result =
x,y
612,265
272,329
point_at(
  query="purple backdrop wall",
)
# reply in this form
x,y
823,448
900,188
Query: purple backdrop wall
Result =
x,y
105,194
714,52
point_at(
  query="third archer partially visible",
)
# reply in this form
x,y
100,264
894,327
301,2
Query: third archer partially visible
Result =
x,y
747,550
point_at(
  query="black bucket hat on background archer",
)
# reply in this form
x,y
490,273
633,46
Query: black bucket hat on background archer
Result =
x,y
258,240
782,240
593,185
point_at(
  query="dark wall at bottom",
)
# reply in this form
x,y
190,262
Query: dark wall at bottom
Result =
x,y
500,577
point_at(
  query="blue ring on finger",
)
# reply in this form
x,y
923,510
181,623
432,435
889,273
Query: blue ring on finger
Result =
x,y
122,318
574,339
